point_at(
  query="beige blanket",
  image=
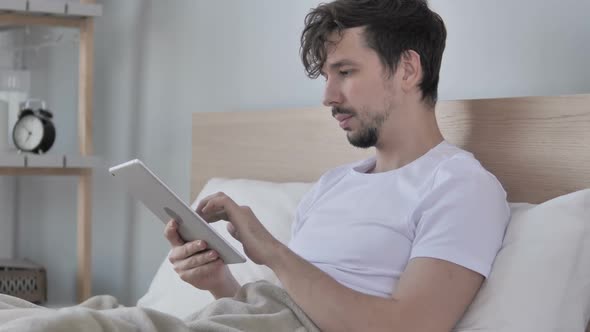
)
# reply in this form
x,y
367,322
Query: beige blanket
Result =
x,y
259,306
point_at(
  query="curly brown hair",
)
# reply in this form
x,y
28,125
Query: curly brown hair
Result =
x,y
391,27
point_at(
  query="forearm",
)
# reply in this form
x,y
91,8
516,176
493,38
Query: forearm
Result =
x,y
332,306
228,288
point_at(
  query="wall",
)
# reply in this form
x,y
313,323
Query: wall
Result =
x,y
46,205
514,48
13,90
157,62
7,183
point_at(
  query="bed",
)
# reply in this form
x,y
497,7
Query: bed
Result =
x,y
538,147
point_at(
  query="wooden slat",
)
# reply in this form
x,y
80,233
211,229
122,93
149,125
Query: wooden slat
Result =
x,y
84,228
45,161
44,7
10,19
49,160
12,160
85,102
18,171
85,82
84,9
538,147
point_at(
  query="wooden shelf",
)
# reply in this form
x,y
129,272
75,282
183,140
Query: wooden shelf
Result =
x,y
15,13
51,8
49,164
80,15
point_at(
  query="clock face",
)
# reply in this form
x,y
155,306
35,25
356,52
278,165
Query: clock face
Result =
x,y
28,133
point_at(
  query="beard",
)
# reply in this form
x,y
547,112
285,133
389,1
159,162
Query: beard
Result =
x,y
368,134
366,137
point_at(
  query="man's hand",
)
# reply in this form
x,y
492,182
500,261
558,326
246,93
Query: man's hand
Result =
x,y
259,245
198,266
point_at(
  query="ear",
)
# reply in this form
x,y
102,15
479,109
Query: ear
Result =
x,y
411,70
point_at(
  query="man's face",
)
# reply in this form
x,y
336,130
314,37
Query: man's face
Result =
x,y
359,89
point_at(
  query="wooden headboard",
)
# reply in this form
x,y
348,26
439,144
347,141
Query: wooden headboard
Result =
x,y
538,147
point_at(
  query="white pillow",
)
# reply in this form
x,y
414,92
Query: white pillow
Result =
x,y
273,203
540,280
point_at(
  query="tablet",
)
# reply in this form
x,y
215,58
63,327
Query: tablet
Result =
x,y
146,187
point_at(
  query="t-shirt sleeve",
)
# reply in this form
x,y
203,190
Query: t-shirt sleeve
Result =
x,y
463,218
302,208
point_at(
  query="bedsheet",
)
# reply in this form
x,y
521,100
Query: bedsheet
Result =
x,y
259,306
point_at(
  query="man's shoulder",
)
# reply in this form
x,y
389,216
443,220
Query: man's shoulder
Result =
x,y
462,179
451,168
462,166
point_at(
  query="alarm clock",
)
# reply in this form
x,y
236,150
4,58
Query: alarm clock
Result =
x,y
34,130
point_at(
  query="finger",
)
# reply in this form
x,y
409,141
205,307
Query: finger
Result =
x,y
204,201
208,208
201,271
213,215
197,260
201,205
233,231
222,203
219,215
171,233
186,250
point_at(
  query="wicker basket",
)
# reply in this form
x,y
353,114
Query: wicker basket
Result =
x,y
23,279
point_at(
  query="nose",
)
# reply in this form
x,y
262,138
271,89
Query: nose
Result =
x,y
332,93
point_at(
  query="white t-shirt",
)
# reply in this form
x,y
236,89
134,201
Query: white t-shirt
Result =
x,y
362,229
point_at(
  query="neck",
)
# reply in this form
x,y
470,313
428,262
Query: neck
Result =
x,y
400,144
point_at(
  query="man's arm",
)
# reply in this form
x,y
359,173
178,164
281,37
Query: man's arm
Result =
x,y
431,294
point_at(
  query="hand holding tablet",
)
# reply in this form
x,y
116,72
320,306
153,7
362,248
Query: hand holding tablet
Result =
x,y
145,186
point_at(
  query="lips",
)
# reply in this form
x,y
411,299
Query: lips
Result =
x,y
343,119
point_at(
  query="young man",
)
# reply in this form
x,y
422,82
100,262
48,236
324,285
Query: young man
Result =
x,y
399,242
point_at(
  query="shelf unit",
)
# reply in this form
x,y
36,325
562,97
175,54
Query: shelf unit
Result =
x,y
78,15
47,164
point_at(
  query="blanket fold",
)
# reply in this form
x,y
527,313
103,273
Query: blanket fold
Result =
x,y
259,306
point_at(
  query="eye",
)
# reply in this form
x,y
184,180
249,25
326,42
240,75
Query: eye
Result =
x,y
344,72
